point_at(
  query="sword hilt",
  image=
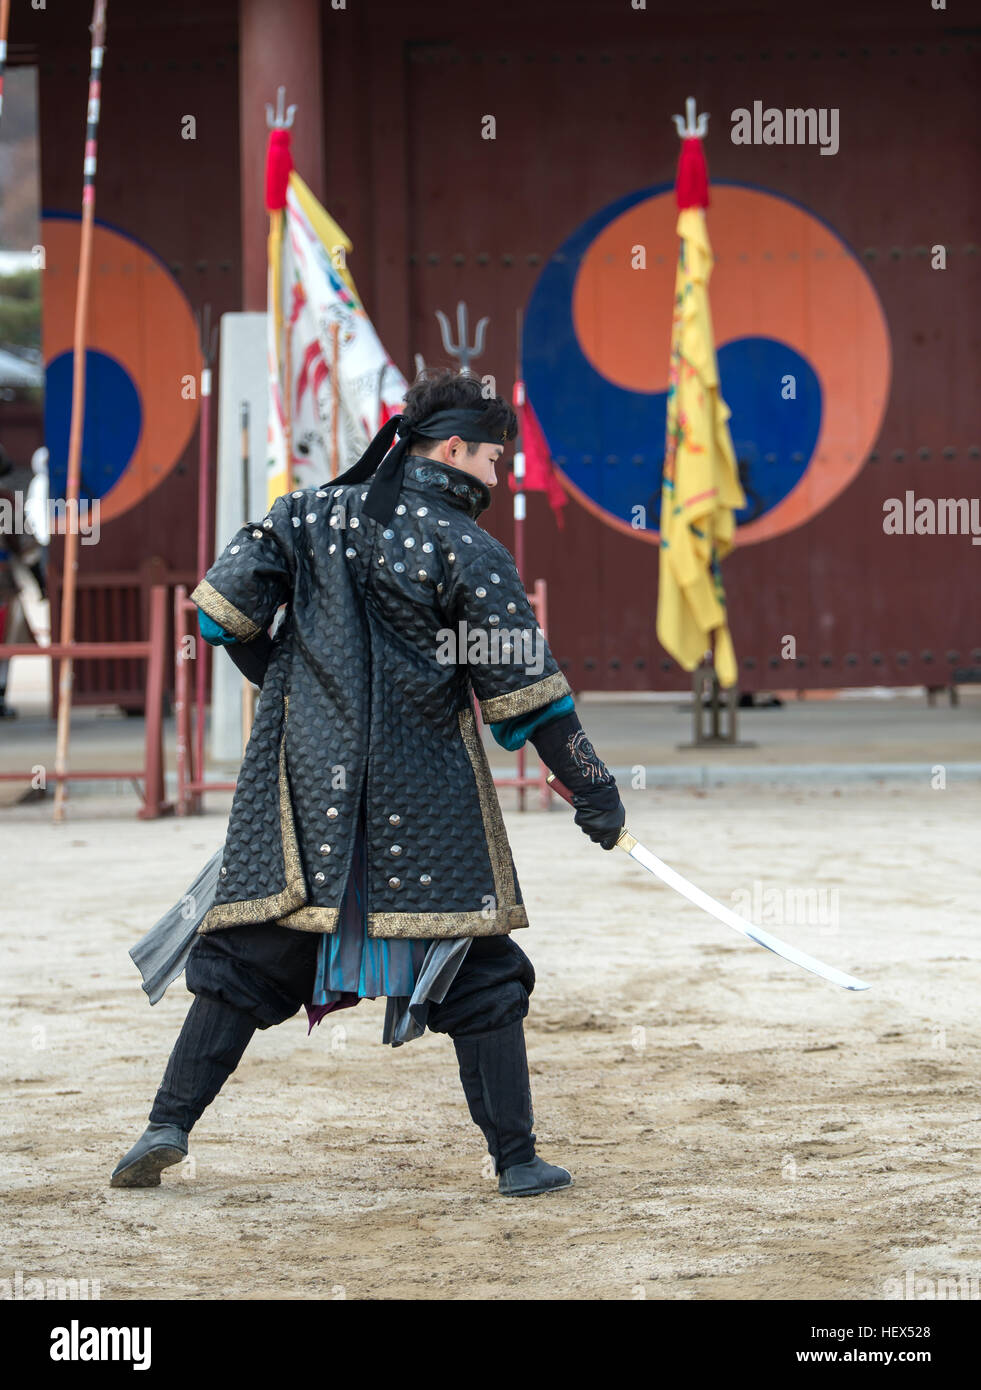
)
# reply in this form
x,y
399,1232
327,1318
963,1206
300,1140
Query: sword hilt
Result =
x,y
559,787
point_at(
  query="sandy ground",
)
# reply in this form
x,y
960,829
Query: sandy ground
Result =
x,y
736,1128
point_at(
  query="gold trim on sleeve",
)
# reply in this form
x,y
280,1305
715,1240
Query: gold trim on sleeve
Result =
x,y
523,701
210,601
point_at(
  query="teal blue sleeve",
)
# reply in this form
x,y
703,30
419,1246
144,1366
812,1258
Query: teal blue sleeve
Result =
x,y
211,632
513,733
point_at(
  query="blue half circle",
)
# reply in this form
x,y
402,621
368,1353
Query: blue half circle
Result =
x,y
113,421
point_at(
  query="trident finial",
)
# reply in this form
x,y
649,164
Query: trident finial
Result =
x,y
461,350
279,121
689,126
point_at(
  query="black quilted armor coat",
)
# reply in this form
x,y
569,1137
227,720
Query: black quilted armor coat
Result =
x,y
356,696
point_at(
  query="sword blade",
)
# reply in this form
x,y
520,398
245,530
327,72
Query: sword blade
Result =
x,y
732,919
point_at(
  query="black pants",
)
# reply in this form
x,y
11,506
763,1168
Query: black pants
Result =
x,y
245,978
268,971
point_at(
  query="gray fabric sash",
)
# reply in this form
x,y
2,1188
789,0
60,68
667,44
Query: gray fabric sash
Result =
x,y
160,956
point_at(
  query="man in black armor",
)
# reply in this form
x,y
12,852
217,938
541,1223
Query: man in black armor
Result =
x,y
366,853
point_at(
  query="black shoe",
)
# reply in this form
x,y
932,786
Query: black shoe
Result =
x,y
528,1179
158,1147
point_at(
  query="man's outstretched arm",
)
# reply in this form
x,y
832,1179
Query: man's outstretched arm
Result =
x,y
563,747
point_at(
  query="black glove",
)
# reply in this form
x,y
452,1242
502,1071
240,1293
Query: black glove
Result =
x,y
564,748
252,658
600,814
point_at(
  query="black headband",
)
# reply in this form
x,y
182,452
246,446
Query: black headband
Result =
x,y
383,463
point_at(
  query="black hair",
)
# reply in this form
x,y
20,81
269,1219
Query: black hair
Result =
x,y
443,388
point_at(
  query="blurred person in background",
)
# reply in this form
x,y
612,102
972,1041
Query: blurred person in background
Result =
x,y
20,552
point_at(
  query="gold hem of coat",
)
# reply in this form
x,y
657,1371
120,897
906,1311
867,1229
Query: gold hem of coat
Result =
x,y
321,919
294,895
425,925
494,832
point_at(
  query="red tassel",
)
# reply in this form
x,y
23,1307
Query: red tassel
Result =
x,y
691,185
279,166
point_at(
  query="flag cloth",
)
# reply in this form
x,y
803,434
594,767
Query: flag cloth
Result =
x,y
310,290
700,488
540,474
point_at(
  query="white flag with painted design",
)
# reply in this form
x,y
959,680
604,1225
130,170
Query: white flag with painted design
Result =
x,y
311,290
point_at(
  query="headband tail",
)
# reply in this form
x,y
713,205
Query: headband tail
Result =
x,y
387,484
373,455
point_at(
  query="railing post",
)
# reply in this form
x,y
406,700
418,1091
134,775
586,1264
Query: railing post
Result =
x,y
181,705
540,605
153,798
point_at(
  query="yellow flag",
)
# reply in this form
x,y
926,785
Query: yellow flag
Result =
x,y
700,489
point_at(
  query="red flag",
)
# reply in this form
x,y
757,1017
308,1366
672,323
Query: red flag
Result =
x,y
540,475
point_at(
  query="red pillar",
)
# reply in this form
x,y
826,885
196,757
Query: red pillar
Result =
x,y
279,46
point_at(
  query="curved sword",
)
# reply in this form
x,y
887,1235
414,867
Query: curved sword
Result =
x,y
630,845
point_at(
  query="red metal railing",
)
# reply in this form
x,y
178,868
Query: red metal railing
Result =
x,y
523,779
154,652
111,602
191,783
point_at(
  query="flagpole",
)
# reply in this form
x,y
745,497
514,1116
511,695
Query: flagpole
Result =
x,y
519,456
98,31
205,546
247,707
279,166
288,384
519,507
4,26
335,400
